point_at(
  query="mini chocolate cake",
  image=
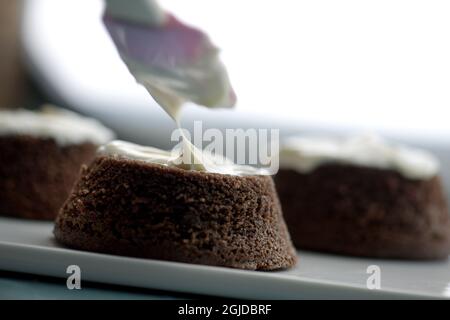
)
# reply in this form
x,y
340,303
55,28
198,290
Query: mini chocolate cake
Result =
x,y
136,208
363,198
41,154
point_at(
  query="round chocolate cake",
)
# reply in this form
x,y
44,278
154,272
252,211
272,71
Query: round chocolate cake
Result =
x,y
137,208
41,154
361,197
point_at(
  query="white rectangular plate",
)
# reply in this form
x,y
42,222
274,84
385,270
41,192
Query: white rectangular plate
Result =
x,y
28,246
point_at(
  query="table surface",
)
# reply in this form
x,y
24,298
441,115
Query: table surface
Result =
x,y
30,287
28,247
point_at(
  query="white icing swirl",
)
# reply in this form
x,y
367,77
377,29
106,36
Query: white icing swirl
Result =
x,y
208,163
65,127
305,154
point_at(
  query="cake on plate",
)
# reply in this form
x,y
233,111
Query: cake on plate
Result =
x,y
364,197
133,201
41,153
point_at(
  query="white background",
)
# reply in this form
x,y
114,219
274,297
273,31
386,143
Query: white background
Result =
x,y
380,65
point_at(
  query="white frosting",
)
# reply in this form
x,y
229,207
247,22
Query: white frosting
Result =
x,y
305,154
136,152
207,163
65,127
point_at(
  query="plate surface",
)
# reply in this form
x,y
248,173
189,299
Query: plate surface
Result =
x,y
28,246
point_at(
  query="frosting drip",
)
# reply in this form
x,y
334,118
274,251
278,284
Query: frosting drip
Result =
x,y
176,63
209,163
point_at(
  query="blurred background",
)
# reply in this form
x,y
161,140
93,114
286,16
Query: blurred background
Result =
x,y
13,81
302,66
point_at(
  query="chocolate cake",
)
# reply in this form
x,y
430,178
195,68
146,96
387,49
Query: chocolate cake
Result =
x,y
362,197
41,154
126,206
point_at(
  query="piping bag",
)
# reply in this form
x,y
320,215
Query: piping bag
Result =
x,y
175,62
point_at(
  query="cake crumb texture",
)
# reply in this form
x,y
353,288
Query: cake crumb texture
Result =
x,y
133,208
37,175
365,211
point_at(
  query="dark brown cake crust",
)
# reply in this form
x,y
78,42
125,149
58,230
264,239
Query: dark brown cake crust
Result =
x,y
365,212
37,175
133,208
